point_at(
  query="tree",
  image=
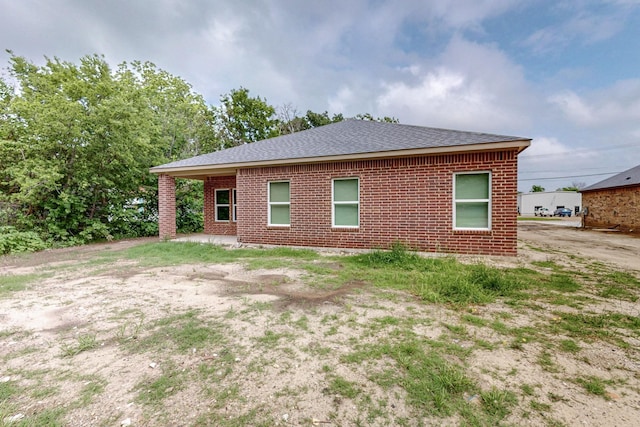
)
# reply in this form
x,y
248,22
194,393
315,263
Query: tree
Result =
x,y
78,142
575,186
369,117
290,122
320,119
242,119
537,189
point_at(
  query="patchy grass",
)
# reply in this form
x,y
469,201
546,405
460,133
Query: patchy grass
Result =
x,y
83,342
10,283
174,253
183,332
399,350
437,280
593,385
153,391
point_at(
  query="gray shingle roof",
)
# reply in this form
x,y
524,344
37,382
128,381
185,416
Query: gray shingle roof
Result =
x,y
623,179
343,138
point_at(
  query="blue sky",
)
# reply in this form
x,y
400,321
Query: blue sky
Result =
x,y
565,73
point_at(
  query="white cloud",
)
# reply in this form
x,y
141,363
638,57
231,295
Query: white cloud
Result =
x,y
581,23
470,86
616,105
542,147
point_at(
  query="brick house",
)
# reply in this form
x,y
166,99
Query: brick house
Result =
x,y
614,202
359,184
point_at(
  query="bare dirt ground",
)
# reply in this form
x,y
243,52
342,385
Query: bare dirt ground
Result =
x,y
88,343
610,247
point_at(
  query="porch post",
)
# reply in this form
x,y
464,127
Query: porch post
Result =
x,y
166,207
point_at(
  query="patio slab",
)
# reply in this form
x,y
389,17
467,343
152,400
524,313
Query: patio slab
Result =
x,y
208,238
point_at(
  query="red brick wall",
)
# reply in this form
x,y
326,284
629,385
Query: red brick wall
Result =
x,y
211,226
166,207
614,207
407,200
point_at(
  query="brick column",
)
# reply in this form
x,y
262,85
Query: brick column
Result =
x,y
167,206
209,203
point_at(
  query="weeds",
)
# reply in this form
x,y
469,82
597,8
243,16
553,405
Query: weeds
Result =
x,y
153,391
84,343
498,403
130,330
593,385
433,279
185,331
342,387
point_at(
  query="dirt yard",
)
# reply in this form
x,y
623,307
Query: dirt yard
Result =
x,y
85,342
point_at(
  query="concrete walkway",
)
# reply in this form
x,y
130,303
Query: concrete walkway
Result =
x,y
209,238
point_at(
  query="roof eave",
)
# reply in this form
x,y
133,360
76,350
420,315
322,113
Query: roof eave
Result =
x,y
202,171
613,187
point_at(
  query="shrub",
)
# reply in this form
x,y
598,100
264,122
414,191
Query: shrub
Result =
x,y
14,241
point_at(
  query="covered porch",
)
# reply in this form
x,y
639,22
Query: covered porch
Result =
x,y
220,208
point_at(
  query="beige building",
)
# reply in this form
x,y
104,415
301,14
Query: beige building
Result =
x,y
528,203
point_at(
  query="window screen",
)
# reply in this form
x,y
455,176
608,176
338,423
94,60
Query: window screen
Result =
x,y
472,201
346,202
279,203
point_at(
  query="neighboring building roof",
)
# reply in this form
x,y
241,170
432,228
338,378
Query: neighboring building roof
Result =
x,y
627,178
349,139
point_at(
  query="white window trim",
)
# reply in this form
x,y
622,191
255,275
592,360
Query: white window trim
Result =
x,y
334,203
216,205
488,201
234,217
270,203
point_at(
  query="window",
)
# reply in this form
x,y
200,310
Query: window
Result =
x,y
222,205
346,202
279,203
472,201
235,205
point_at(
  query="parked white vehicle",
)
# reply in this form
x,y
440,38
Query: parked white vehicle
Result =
x,y
542,212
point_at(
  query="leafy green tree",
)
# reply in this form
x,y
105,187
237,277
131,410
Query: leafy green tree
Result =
x,y
369,117
320,119
242,119
575,186
77,142
537,189
290,123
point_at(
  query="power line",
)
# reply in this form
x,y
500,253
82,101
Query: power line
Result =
x,y
556,170
573,152
569,176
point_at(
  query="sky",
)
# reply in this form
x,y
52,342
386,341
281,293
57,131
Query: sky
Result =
x,y
564,73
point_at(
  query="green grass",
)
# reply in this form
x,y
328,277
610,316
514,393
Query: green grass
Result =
x,y
569,346
498,403
437,280
343,387
537,218
433,384
430,376
175,253
272,339
182,332
46,418
594,326
93,386
17,282
84,342
593,385
153,391
7,390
